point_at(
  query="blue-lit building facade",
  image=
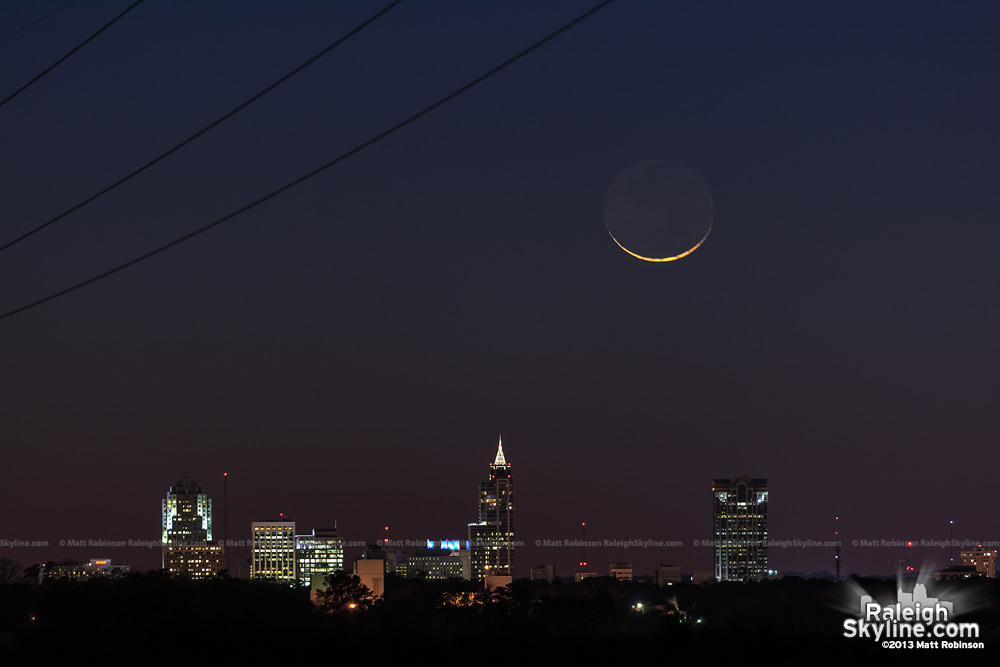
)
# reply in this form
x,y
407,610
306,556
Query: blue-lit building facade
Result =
x,y
444,559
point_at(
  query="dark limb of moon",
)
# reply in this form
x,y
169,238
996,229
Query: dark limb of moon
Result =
x,y
658,211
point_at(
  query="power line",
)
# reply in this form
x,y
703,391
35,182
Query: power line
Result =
x,y
318,170
36,21
205,129
72,51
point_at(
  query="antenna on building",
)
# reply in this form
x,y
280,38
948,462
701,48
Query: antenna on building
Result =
x,y
225,518
583,543
836,545
951,542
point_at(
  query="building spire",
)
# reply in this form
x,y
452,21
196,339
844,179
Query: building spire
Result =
x,y
500,460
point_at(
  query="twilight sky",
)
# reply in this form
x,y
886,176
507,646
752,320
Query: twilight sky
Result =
x,y
351,350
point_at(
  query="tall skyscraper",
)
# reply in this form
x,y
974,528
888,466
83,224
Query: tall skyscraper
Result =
x,y
740,528
273,550
492,537
320,553
187,513
188,548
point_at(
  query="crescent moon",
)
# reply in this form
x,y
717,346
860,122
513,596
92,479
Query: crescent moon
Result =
x,y
661,259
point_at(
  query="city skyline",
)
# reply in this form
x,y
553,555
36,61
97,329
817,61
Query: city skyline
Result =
x,y
739,542
346,349
186,522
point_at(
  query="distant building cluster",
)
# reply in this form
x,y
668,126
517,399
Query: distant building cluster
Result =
x,y
278,554
487,555
96,567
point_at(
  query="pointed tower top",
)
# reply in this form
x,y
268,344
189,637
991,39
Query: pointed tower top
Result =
x,y
500,460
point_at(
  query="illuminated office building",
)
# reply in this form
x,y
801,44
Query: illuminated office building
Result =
x,y
188,548
197,561
983,560
187,514
97,567
445,559
740,528
492,537
320,553
273,550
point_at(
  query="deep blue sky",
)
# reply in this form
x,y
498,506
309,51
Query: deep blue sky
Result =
x,y
351,350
